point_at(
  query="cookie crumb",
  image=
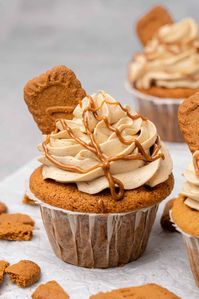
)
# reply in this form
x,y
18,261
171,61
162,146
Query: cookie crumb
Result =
x,y
165,220
3,207
24,273
3,266
27,201
50,290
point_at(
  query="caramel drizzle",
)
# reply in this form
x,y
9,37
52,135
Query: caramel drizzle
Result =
x,y
115,185
196,164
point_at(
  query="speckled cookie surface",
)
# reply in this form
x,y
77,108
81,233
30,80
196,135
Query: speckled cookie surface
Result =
x,y
53,95
185,218
148,291
188,117
173,93
68,197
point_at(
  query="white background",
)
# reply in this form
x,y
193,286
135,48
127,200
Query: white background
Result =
x,y
94,37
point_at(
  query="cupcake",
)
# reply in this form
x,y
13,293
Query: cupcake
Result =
x,y
185,210
103,174
167,71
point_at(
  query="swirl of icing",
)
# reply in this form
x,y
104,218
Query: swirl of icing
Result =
x,y
190,188
170,59
105,145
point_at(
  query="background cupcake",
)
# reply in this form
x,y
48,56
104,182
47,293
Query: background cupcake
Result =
x,y
103,174
185,211
167,71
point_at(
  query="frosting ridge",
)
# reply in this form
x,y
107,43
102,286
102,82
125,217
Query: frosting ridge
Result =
x,y
190,188
105,145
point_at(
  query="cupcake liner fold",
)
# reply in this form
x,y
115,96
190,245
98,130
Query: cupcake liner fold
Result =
x,y
163,112
97,240
192,246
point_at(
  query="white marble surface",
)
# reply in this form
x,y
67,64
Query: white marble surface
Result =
x,y
95,38
164,262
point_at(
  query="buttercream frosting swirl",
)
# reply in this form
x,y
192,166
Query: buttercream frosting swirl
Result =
x,y
190,188
170,59
105,143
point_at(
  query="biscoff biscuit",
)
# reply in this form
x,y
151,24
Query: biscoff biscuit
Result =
x,y
148,291
165,220
188,118
53,95
3,208
3,266
50,290
149,24
24,273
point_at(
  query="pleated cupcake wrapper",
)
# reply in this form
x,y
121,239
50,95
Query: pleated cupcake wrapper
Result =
x,y
97,240
163,112
192,247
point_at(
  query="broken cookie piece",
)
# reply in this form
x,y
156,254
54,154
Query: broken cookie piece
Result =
x,y
24,274
15,231
17,218
3,266
50,290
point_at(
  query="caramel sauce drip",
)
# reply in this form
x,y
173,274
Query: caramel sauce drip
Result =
x,y
115,185
196,164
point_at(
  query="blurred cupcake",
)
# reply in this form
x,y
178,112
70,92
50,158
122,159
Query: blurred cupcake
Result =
x,y
185,210
167,71
103,175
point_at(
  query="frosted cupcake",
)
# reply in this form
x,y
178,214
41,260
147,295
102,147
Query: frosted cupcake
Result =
x,y
103,175
185,211
185,214
165,73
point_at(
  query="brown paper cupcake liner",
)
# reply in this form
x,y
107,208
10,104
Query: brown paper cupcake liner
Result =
x,y
97,240
192,247
162,112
